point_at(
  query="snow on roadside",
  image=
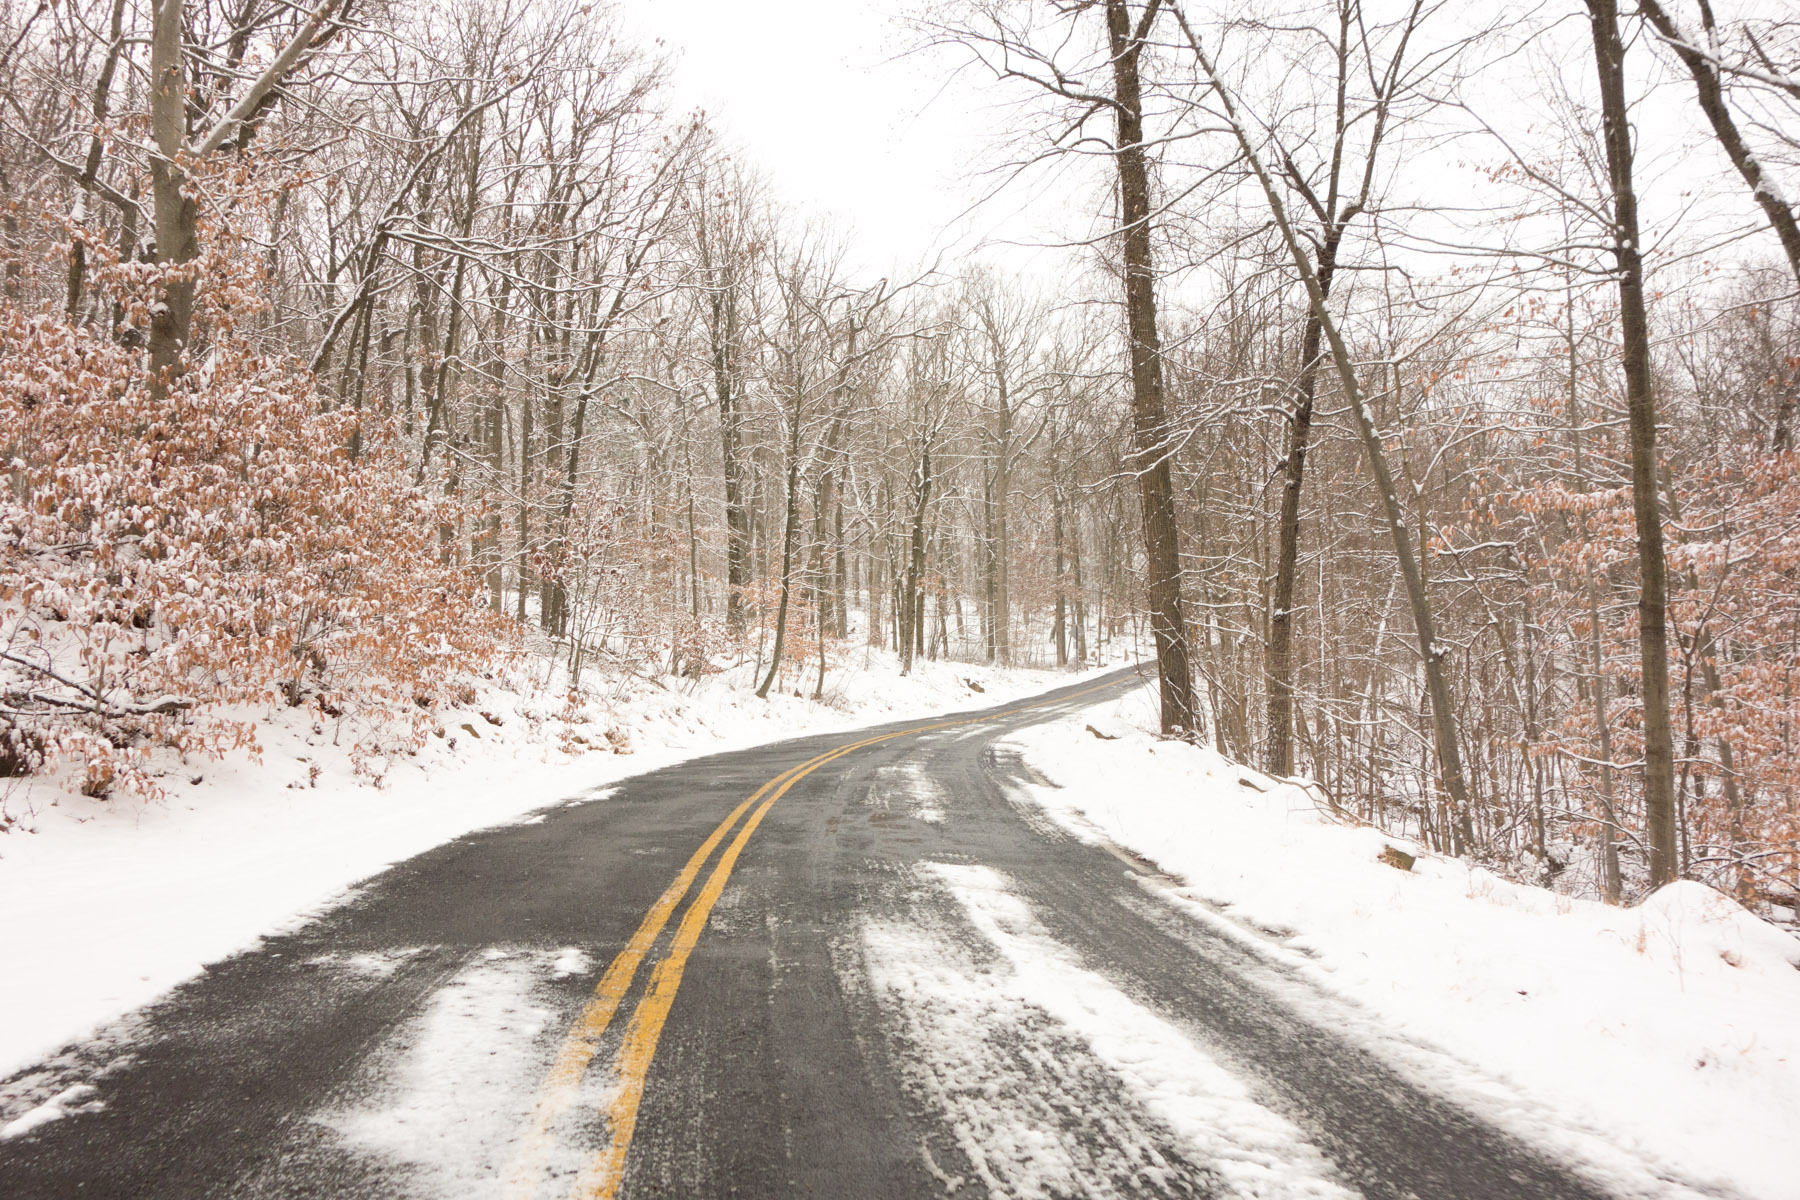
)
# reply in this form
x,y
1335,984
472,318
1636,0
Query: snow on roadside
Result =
x,y
1674,1026
986,1055
109,903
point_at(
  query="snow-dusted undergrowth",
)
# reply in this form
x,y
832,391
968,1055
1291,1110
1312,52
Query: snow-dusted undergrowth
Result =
x,y
109,903
1674,1026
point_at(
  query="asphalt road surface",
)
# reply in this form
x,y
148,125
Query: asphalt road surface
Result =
x,y
848,966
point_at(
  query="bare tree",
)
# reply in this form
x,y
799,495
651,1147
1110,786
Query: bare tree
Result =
x,y
1153,436
1431,651
1332,203
1107,79
1698,56
1653,636
175,206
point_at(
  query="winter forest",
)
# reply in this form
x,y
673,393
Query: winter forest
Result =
x,y
1417,382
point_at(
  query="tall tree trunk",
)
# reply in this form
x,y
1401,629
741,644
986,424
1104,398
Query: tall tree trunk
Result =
x,y
790,536
1080,589
1151,434
556,606
174,214
840,573
997,485
737,510
876,583
912,625
524,510
90,168
1653,635
1059,629
1610,881
990,571
1279,664
1609,812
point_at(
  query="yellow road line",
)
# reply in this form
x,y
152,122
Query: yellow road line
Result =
x,y
578,1048
600,1181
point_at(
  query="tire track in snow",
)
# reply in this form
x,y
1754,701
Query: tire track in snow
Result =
x,y
908,786
1054,1081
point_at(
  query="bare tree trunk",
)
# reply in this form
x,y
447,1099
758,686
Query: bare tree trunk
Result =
x,y
872,579
990,571
1152,435
1279,656
556,605
840,575
1081,609
174,213
790,536
177,240
524,510
1609,812
737,511
90,169
997,486
1059,629
1653,635
912,621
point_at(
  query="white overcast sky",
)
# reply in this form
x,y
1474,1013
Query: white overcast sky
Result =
x,y
822,98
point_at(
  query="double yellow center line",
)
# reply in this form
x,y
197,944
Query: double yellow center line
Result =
x,y
599,1180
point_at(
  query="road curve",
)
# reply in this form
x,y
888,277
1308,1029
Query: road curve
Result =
x,y
848,966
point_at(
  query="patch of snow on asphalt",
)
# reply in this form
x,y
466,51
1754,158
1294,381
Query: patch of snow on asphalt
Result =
x,y
448,1093
1021,1053
909,783
1670,1027
378,964
79,1098
572,961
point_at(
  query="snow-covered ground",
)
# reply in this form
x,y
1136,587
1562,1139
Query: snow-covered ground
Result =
x,y
1654,1044
109,903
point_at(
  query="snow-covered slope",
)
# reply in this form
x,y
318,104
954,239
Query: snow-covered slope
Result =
x,y
1670,1030
109,903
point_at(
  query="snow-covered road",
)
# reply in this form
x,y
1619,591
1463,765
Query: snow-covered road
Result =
x,y
845,966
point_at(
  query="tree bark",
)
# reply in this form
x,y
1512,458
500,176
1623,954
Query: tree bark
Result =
x,y
175,215
1653,636
90,168
173,211
723,304
1609,812
1151,432
1279,658
1059,629
790,536
912,620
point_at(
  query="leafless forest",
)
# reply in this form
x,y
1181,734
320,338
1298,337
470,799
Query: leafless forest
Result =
x,y
1420,385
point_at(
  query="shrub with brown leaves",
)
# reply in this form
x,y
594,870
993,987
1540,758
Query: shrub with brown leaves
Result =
x,y
172,568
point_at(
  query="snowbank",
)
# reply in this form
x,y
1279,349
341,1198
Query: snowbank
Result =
x,y
108,904
1671,1029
